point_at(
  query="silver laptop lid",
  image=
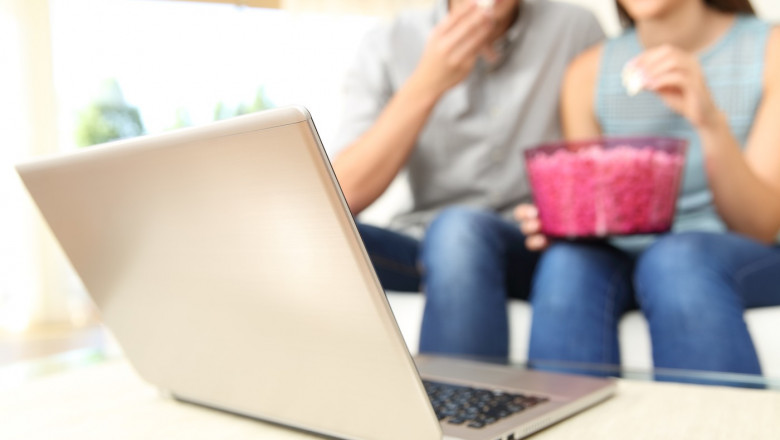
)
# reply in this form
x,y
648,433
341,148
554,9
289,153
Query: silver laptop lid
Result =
x,y
225,261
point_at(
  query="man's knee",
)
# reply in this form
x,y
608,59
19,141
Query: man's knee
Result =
x,y
461,255
459,235
459,223
558,283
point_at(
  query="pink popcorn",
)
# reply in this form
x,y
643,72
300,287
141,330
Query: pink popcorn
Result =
x,y
606,187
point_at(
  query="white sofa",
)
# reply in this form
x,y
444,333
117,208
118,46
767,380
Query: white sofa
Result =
x,y
635,350
764,325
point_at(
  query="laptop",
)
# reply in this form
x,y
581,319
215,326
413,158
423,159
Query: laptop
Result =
x,y
225,261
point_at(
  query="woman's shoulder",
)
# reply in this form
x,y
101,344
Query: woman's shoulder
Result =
x,y
585,65
772,59
773,43
582,73
774,36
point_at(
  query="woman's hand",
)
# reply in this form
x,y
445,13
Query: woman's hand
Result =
x,y
676,76
531,227
744,183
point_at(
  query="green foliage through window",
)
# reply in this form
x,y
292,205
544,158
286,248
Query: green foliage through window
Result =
x,y
261,102
108,117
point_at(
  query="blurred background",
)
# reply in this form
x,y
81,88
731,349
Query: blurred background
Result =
x,y
74,73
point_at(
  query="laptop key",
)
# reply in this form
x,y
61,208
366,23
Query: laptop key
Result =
x,y
477,408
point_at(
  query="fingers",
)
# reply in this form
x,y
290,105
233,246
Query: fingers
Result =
x,y
662,61
457,15
454,45
673,80
536,242
531,227
465,15
468,46
653,56
677,78
528,216
470,35
489,54
526,211
662,67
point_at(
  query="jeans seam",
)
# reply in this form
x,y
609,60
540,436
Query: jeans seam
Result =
x,y
609,312
753,267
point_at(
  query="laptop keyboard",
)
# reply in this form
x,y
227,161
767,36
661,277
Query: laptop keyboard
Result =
x,y
475,407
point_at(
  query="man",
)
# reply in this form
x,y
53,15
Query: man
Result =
x,y
454,95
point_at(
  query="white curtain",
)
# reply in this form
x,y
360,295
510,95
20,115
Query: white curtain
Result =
x,y
32,270
372,7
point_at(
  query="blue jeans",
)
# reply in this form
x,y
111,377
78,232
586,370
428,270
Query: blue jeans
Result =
x,y
692,287
468,263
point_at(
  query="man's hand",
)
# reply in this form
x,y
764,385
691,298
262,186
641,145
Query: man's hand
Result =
x,y
367,166
454,46
531,227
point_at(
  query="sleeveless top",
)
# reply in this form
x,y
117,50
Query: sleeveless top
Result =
x,y
733,67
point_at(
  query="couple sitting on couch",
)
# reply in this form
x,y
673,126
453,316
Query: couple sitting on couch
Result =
x,y
456,94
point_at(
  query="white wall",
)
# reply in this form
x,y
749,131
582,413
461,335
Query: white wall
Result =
x,y
768,9
605,11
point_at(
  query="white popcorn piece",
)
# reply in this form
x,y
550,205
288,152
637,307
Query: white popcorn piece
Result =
x,y
632,79
486,4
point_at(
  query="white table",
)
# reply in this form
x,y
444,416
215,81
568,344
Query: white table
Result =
x,y
108,400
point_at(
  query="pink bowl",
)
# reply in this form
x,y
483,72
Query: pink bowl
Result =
x,y
609,186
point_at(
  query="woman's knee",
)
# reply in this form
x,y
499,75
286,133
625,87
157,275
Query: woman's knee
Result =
x,y
676,259
679,277
677,254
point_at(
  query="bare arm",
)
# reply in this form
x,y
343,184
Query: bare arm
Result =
x,y
745,185
579,94
367,166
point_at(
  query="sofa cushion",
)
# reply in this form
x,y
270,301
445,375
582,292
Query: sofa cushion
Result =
x,y
635,348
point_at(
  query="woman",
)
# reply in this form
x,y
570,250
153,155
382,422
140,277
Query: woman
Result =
x,y
710,72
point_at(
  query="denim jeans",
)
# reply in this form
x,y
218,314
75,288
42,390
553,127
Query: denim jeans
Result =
x,y
692,287
468,263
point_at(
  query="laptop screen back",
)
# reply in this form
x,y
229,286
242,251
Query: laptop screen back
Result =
x,y
225,261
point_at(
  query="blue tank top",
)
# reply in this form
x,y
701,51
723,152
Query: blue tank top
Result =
x,y
733,66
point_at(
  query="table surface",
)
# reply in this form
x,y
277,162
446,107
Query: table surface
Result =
x,y
104,398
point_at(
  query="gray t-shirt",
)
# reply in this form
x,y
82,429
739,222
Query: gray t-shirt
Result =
x,y
470,151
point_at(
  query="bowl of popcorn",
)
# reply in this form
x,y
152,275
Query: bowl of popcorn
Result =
x,y
606,187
